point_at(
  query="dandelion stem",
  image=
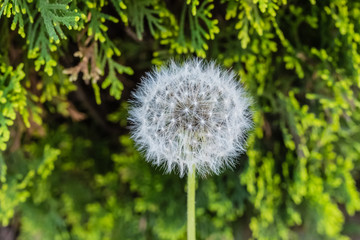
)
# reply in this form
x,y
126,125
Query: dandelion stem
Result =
x,y
191,206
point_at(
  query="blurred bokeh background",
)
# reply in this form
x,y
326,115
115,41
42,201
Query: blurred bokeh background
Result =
x,y
68,169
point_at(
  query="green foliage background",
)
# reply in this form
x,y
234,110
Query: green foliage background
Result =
x,y
68,169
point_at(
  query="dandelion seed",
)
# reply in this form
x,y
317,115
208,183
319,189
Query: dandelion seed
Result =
x,y
201,109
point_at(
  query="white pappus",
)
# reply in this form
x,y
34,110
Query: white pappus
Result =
x,y
190,116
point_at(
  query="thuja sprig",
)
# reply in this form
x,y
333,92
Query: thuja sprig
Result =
x,y
191,118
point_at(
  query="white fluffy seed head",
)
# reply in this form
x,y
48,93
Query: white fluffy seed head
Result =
x,y
190,116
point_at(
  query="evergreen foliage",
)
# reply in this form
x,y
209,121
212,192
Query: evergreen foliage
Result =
x,y
68,169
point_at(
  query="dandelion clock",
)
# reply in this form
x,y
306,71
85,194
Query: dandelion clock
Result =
x,y
190,118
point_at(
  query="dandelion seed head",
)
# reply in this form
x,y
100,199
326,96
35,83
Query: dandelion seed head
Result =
x,y
191,116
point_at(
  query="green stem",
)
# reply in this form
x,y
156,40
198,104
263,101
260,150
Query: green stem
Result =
x,y
191,206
